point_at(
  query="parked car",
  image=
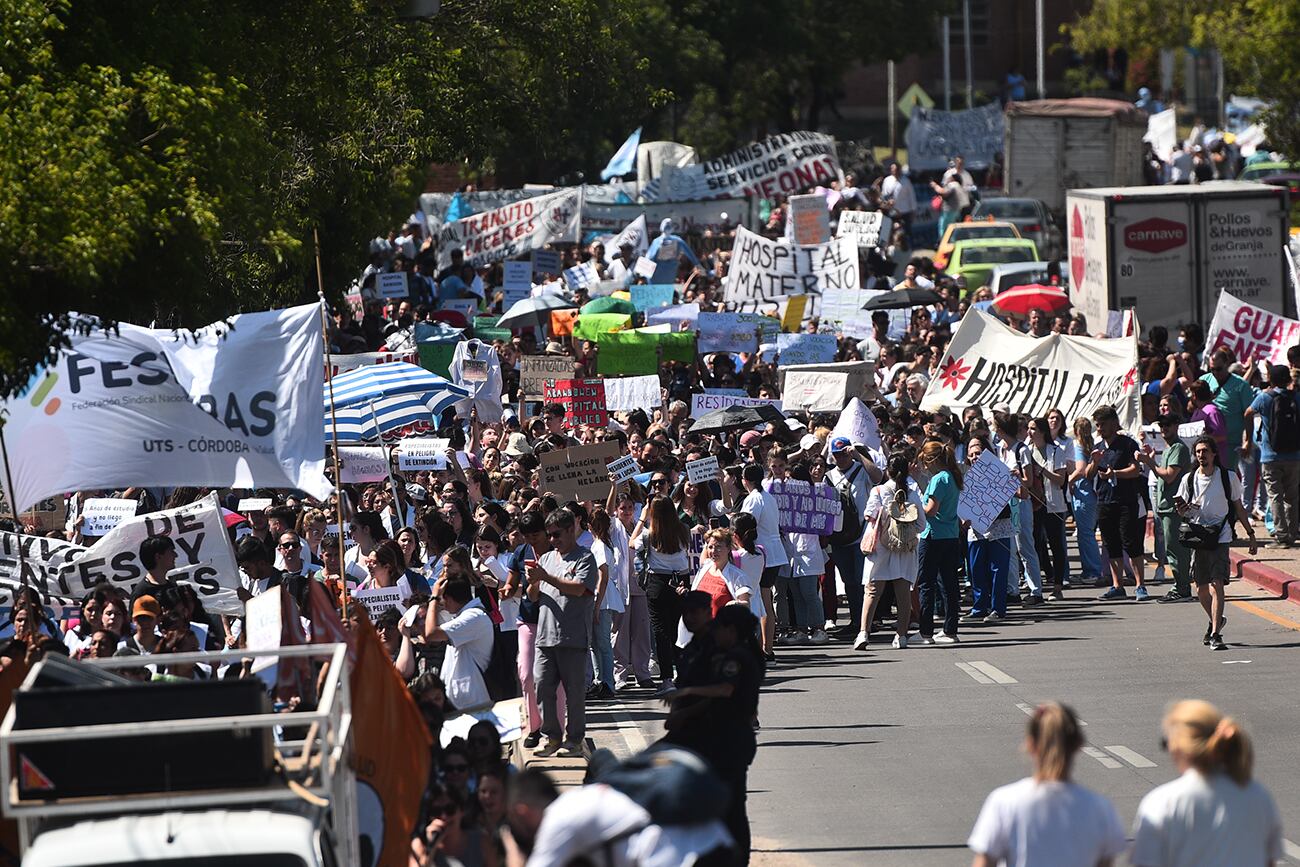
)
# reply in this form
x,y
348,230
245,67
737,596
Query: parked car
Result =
x,y
967,230
1030,217
1261,172
976,259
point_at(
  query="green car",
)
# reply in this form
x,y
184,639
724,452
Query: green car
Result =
x,y
975,259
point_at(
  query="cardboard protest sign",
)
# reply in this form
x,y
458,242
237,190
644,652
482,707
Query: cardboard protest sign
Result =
x,y
422,453
842,305
868,228
563,322
624,394
517,275
535,370
378,600
857,424
392,285
805,507
590,325
547,262
988,363
578,473
624,468
814,391
344,363
723,332
702,403
102,514
581,275
651,296
583,401
764,271
935,136
810,220
986,489
513,229
703,470
359,464
805,348
1250,332
205,558
780,165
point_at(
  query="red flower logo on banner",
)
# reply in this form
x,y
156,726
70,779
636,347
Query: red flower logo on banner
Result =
x,y
953,372
1131,379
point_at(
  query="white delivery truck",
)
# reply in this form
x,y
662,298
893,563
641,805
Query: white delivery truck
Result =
x,y
101,771
1168,250
1054,145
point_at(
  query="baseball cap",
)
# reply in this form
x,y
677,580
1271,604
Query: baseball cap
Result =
x,y
840,444
809,442
148,606
1002,407
750,438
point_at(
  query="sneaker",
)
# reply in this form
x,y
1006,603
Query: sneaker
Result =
x,y
1175,596
819,636
551,748
593,691
645,683
1159,576
973,616
900,642
992,617
605,693
1013,599
798,639
1210,631
769,656
860,643
665,690
1057,595
1100,581
1141,595
570,751
1216,642
1113,593
829,626
1033,599
533,739
921,639
945,638
1280,543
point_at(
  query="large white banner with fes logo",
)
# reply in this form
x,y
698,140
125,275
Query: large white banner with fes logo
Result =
x,y
235,404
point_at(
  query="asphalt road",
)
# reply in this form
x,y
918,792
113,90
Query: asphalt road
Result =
x,y
884,757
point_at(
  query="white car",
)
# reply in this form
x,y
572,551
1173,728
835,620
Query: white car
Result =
x,y
1030,217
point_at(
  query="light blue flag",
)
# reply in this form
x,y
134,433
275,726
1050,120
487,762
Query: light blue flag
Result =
x,y
457,209
624,160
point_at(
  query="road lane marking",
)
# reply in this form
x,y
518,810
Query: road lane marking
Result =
x,y
973,672
1106,761
1291,850
1267,615
1028,710
993,673
1236,662
631,732
1135,759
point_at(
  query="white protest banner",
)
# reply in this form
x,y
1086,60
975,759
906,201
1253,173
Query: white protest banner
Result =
x,y
779,165
435,206
1152,437
805,507
581,275
1189,431
723,332
359,464
935,136
263,627
102,514
517,275
253,504
703,470
988,363
392,285
236,404
378,600
857,423
535,370
764,271
634,234
1162,132
868,228
344,363
1251,332
814,391
987,488
809,219
624,394
674,316
687,217
1294,268
422,453
204,557
546,262
624,468
702,403
805,348
513,229
644,267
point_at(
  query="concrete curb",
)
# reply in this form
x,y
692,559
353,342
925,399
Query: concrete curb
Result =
x,y
1272,580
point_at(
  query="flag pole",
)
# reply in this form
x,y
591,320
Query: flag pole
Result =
x,y
12,498
334,424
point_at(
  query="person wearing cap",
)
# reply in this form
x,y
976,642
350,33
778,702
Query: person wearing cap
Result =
x,y
854,473
621,269
145,614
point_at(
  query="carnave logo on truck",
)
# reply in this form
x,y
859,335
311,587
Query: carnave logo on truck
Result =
x,y
1155,235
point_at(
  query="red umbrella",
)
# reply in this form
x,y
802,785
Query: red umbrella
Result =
x,y
454,318
1019,300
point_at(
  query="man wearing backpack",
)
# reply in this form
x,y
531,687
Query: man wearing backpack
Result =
x,y
1279,453
853,475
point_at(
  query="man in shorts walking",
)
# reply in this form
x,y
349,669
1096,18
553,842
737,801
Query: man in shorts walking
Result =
x,y
1116,475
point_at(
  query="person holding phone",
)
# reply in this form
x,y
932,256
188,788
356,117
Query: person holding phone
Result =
x,y
1169,467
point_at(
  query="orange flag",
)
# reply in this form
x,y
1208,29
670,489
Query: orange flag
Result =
x,y
562,321
390,752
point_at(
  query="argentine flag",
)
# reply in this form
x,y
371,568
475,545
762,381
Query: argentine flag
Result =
x,y
624,160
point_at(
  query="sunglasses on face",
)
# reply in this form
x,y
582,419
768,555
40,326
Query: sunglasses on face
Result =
x,y
287,546
442,810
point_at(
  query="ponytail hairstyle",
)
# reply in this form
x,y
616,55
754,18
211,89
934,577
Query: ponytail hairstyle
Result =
x,y
1210,741
744,528
935,452
1055,735
897,469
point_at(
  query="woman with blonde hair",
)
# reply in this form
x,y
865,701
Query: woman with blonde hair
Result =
x,y
1048,818
1214,814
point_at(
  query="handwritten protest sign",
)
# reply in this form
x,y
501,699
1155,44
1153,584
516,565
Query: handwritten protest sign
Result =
x,y
626,393
1188,432
769,326
708,402
779,165
644,267
392,285
253,504
422,453
513,229
547,262
517,276
868,228
935,136
464,306
805,348
674,316
813,391
764,271
841,305
591,325
986,489
1153,439
102,514
362,464
805,507
578,473
857,424
703,470
810,220
378,600
583,400
581,275
723,332
624,468
1250,332
651,296
535,370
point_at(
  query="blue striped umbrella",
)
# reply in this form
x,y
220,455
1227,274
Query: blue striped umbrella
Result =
x,y
382,398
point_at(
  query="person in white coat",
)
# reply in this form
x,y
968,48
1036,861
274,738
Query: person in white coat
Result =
x,y
883,566
475,366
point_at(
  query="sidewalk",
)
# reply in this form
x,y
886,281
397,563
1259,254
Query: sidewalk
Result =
x,y
1275,570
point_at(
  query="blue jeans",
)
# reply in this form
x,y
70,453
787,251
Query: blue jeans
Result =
x,y
602,648
937,575
849,563
1085,521
988,561
1028,552
807,602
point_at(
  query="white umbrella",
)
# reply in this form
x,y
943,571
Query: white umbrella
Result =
x,y
529,312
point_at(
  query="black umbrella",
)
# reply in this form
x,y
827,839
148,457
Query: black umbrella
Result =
x,y
736,416
899,299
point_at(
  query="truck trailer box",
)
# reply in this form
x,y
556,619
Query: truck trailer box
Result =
x,y
1168,250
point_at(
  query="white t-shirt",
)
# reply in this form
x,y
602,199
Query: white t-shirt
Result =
x,y
509,608
1054,458
902,192
762,506
1197,821
606,556
469,649
1205,493
1062,824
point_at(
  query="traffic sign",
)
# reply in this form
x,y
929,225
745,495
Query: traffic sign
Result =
x,y
913,96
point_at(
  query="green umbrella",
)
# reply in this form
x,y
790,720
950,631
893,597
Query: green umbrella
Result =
x,y
608,304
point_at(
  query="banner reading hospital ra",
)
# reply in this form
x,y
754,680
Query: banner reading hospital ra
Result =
x,y
764,273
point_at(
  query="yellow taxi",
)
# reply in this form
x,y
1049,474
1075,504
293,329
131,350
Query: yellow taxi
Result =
x,y
971,230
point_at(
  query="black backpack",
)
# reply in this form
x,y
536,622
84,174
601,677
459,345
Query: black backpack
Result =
x,y
1284,423
850,531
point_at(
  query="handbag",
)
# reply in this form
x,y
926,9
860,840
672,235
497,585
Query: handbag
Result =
x,y
868,544
1199,537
